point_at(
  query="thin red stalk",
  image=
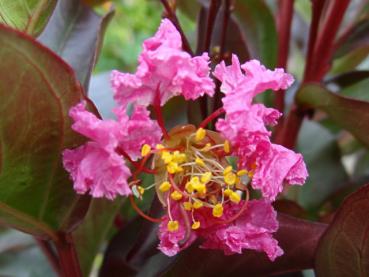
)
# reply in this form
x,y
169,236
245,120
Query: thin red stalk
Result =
x,y
50,255
159,114
213,11
325,41
141,213
68,258
120,151
172,17
211,117
284,19
314,27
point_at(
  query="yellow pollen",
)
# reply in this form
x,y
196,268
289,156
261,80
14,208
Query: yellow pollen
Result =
x,y
187,206
179,157
228,192
141,190
196,225
197,204
242,172
173,167
200,188
200,162
235,197
227,147
166,157
165,186
189,187
206,148
206,177
200,134
173,225
159,146
176,195
230,178
227,170
145,150
218,210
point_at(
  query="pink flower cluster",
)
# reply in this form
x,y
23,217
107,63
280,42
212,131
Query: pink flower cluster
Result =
x,y
165,71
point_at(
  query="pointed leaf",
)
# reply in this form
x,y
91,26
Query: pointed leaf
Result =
x,y
36,194
350,114
29,16
344,248
75,32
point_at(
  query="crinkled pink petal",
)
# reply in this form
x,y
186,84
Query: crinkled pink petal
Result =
x,y
97,171
275,166
164,71
140,129
104,132
253,229
170,241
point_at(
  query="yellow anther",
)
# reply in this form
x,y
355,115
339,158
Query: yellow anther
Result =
x,y
173,225
141,190
200,188
174,168
178,157
206,177
200,162
196,225
227,146
159,146
230,178
228,192
218,210
200,134
176,195
235,197
197,204
206,148
165,186
189,187
227,170
166,157
187,206
242,172
145,150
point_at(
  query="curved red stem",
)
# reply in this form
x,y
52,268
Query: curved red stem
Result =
x,y
211,117
141,213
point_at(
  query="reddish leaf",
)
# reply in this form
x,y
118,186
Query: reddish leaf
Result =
x,y
344,248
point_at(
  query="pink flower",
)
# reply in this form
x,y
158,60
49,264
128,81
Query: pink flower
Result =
x,y
253,229
164,71
96,166
245,126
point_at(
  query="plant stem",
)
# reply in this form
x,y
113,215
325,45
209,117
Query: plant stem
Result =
x,y
68,258
50,254
173,17
211,117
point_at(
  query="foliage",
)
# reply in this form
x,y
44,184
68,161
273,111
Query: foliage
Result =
x,y
49,50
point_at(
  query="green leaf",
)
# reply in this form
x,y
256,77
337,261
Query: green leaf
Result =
x,y
36,194
322,156
75,33
92,232
28,16
350,114
258,25
344,248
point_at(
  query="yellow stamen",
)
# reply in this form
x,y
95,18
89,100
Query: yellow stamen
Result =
x,y
145,150
196,225
200,134
242,172
206,148
197,204
173,167
227,170
187,206
200,162
179,157
230,178
176,195
206,177
218,210
227,147
166,157
173,225
141,190
228,192
189,187
235,197
159,146
165,186
200,188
